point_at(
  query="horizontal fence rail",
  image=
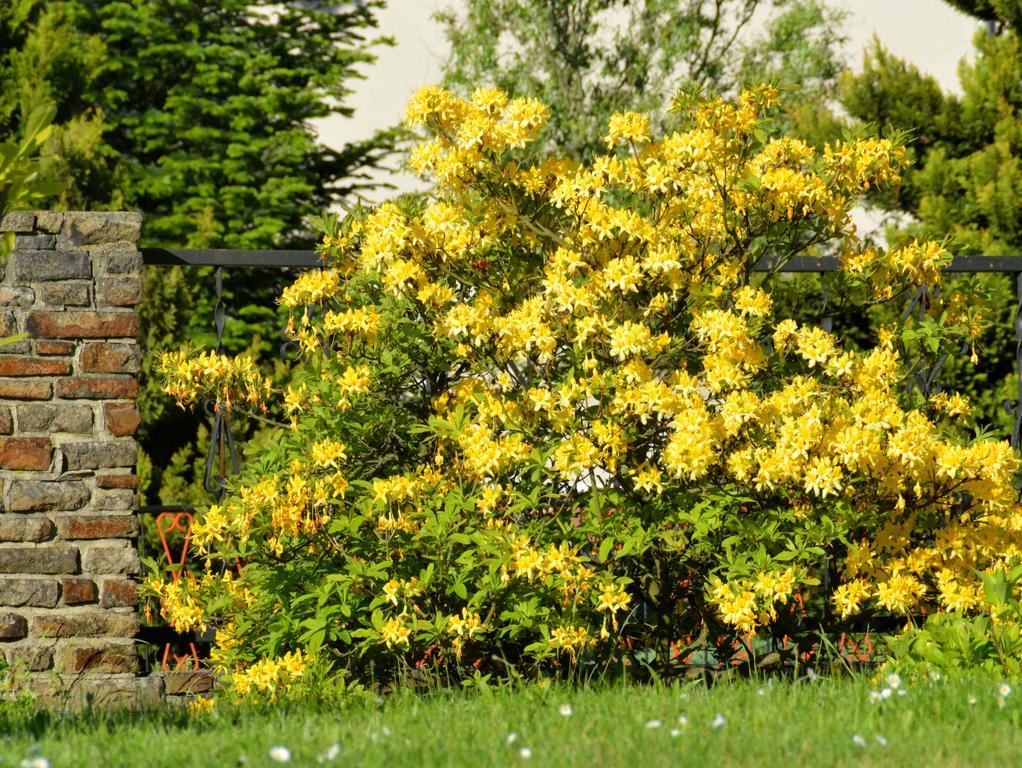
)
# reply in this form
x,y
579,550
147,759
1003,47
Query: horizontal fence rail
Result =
x,y
187,257
959,264
190,257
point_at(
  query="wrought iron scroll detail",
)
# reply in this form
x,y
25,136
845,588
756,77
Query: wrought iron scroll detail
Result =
x,y
826,319
1016,431
221,441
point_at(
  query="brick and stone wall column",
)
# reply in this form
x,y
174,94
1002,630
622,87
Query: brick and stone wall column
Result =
x,y
68,528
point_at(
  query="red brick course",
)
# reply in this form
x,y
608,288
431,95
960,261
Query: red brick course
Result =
x,y
82,324
26,453
18,365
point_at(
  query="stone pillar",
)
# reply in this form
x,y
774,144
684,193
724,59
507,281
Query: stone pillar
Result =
x,y
68,529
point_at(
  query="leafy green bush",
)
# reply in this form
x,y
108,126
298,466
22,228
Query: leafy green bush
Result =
x,y
547,423
954,642
26,173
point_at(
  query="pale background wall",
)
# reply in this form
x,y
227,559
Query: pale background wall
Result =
x,y
928,33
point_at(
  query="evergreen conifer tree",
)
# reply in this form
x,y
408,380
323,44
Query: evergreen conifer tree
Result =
x,y
208,107
965,181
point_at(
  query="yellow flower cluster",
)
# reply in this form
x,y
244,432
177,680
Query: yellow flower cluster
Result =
x,y
613,598
178,605
627,127
917,262
399,589
363,321
200,707
192,379
353,380
572,639
311,288
233,520
396,633
488,122
464,627
298,506
182,600
752,603
530,563
270,677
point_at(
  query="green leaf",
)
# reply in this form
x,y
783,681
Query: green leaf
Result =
x,y
995,587
605,548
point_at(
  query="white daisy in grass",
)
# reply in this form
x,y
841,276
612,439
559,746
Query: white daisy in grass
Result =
x,y
718,721
565,710
35,762
858,740
971,699
675,732
682,721
881,740
652,725
893,680
280,754
874,697
1004,690
511,738
887,693
525,753
332,753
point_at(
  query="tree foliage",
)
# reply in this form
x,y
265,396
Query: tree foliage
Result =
x,y
208,106
588,59
965,147
26,172
964,176
44,59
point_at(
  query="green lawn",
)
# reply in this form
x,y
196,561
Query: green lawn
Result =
x,y
819,723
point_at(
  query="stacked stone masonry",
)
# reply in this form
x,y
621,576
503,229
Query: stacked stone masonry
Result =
x,y
68,526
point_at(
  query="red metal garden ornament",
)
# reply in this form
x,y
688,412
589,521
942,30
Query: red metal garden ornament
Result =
x,y
166,523
851,650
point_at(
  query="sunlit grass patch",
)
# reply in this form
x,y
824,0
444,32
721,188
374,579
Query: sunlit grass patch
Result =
x,y
822,722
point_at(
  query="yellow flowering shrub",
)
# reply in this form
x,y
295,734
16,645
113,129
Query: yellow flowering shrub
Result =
x,y
548,417
224,380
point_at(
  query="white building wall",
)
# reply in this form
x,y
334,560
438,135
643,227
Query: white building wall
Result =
x,y
928,33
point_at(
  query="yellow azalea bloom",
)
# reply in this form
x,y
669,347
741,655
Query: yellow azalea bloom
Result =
x,y
613,598
395,633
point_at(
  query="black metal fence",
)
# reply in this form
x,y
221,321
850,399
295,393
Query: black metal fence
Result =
x,y
222,457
